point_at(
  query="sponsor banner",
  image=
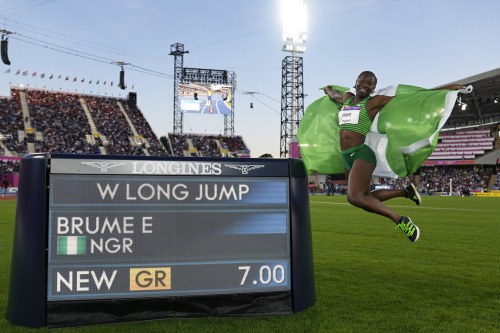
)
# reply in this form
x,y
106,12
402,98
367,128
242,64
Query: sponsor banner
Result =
x,y
486,194
9,158
294,150
12,190
13,182
260,167
457,162
382,187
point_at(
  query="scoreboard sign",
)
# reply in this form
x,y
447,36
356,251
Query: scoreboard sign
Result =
x,y
106,239
225,234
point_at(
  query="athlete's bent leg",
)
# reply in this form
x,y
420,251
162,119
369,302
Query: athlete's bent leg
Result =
x,y
386,194
359,194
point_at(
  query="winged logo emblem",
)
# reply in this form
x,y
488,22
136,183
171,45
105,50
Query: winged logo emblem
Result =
x,y
104,166
244,168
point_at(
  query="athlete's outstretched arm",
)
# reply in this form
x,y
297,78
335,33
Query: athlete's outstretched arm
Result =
x,y
336,96
449,87
378,102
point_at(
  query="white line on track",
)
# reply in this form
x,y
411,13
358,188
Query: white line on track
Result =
x,y
441,208
217,105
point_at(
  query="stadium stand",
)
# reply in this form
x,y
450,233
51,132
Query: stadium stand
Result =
x,y
34,120
464,144
11,125
398,182
146,137
37,121
208,145
179,144
437,179
112,126
456,157
496,181
58,119
9,166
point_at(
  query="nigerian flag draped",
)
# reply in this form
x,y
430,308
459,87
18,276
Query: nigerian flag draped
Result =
x,y
403,134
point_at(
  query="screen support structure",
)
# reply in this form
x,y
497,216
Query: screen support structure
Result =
x,y
292,101
229,119
177,50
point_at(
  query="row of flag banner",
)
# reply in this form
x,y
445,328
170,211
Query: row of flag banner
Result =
x,y
67,78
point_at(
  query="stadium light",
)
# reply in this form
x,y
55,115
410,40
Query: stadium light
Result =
x,y
294,15
294,25
461,103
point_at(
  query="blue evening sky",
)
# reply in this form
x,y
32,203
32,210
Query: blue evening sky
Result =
x,y
424,43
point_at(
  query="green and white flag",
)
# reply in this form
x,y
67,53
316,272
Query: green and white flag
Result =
x,y
403,134
71,245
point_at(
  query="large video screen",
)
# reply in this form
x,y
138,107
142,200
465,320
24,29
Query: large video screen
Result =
x,y
205,98
117,236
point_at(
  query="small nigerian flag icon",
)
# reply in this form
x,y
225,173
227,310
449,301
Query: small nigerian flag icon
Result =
x,y
70,245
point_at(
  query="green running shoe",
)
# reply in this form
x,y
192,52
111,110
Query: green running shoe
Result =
x,y
412,194
410,229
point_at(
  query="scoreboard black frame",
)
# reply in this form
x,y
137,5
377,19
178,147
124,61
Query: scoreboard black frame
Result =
x,y
110,239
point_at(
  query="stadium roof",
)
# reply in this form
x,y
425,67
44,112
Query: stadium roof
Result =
x,y
483,104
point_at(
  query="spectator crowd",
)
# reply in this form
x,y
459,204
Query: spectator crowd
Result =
x,y
156,148
111,123
62,122
65,128
11,121
9,166
436,179
208,145
496,185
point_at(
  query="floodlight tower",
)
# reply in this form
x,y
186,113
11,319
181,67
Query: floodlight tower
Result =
x,y
177,50
292,88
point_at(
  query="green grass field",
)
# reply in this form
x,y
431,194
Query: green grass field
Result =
x,y
369,277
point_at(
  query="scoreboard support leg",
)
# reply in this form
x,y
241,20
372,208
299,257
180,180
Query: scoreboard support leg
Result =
x,y
303,286
28,274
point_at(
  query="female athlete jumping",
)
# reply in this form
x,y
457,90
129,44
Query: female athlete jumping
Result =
x,y
355,119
